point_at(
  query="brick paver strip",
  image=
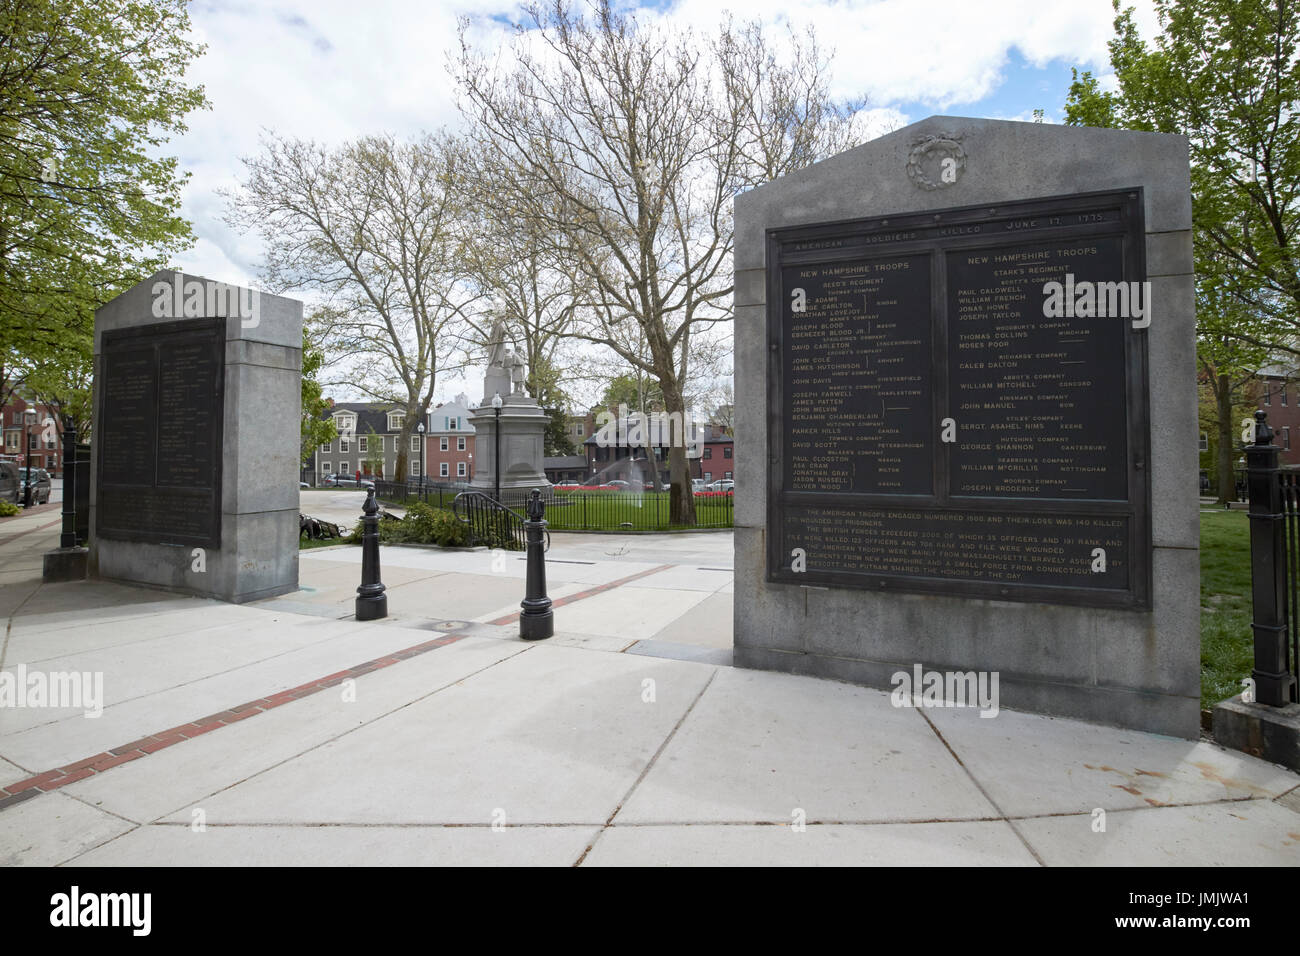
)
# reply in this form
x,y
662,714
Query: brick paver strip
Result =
x,y
6,538
590,592
15,793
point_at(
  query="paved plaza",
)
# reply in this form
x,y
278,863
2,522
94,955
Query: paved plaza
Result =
x,y
284,732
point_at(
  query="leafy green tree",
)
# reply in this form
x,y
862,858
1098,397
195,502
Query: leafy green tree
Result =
x,y
1225,74
316,430
89,91
544,385
635,390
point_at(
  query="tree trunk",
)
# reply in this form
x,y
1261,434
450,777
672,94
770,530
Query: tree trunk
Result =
x,y
1227,443
681,501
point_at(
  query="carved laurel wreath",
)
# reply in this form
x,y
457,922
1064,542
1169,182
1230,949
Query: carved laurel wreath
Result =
x,y
946,144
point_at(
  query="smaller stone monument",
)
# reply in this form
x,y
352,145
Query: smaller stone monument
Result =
x,y
198,390
509,441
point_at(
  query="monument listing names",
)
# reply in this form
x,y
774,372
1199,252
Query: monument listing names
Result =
x,y
960,402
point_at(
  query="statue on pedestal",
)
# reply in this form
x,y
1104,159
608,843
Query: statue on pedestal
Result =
x,y
497,378
518,369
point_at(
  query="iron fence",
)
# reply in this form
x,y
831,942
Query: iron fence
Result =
x,y
633,511
490,522
578,509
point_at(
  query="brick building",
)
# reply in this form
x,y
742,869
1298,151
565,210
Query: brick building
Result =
x,y
39,434
450,442
1279,394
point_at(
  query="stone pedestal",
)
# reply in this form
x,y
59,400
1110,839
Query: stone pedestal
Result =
x,y
64,564
523,432
194,467
1270,733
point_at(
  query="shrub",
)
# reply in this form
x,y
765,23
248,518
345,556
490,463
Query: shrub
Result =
x,y
8,509
449,531
423,524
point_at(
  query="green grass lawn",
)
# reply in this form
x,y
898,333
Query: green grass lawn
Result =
x,y
305,543
1227,646
637,511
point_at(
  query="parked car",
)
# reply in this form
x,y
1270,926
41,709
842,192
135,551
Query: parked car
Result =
x,y
566,484
10,485
346,481
722,484
40,479
617,483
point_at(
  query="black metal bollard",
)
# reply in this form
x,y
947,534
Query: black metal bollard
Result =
x,y
1267,569
372,603
536,619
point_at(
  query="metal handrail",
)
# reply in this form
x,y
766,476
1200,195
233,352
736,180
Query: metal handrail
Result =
x,y
487,517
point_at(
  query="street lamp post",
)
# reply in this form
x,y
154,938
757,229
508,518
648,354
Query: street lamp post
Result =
x,y
496,432
424,455
29,419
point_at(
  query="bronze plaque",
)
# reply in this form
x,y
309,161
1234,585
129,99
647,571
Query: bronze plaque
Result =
x,y
959,402
159,429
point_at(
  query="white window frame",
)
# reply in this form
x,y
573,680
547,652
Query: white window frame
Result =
x,y
460,442
442,470
460,469
325,468
1204,443
344,469
415,467
396,421
442,443
361,443
415,443
325,448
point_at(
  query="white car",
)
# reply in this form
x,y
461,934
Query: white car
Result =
x,y
722,484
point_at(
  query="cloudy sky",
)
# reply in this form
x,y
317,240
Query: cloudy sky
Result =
x,y
331,71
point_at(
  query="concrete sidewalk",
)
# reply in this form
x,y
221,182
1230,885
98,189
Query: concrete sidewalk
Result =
x,y
284,732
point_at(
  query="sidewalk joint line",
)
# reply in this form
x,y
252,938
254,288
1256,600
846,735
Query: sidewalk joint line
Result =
x,y
979,786
646,769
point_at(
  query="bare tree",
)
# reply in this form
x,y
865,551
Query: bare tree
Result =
x,y
524,283
626,144
369,226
